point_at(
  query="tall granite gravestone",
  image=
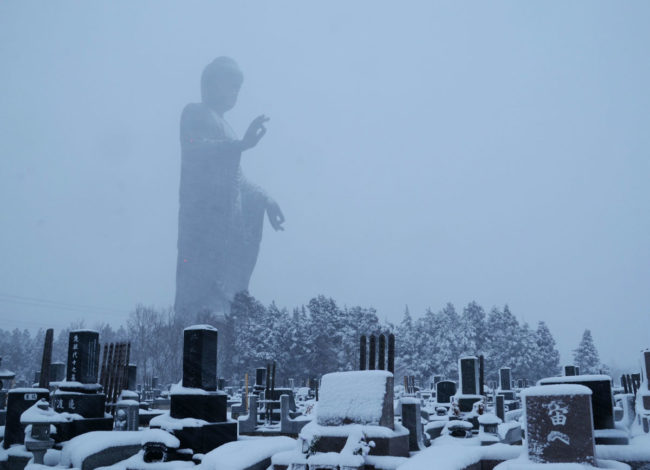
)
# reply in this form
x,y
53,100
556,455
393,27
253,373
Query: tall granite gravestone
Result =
x,y
80,393
505,383
500,409
200,357
260,379
469,383
199,398
132,377
83,356
445,389
559,424
18,401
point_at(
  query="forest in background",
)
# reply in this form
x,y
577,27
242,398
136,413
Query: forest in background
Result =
x,y
319,337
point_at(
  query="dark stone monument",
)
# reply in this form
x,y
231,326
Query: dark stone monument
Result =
x,y
83,356
391,353
469,375
381,362
18,401
203,402
81,394
221,213
504,379
570,371
362,353
469,383
132,377
372,353
200,357
646,368
559,424
601,398
500,409
57,371
445,389
412,420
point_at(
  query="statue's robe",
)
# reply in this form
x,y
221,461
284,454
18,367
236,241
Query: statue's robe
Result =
x,y
220,217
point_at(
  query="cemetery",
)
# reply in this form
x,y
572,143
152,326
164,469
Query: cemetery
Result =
x,y
91,413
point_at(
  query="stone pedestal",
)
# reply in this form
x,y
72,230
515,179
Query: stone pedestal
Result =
x,y
210,407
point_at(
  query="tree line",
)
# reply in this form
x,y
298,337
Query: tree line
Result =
x,y
319,337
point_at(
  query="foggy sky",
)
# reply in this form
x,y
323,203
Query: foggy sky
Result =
x,y
422,154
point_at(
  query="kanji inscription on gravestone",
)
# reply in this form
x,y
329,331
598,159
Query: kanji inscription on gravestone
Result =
x,y
559,424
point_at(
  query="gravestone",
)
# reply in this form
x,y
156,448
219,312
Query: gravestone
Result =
x,y
505,383
57,371
362,353
363,398
445,389
504,379
80,394
570,371
83,356
559,424
18,401
601,399
132,377
372,353
260,379
200,357
500,409
412,420
381,355
469,375
198,398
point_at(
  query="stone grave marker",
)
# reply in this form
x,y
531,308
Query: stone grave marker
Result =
x,y
83,356
445,389
559,424
18,401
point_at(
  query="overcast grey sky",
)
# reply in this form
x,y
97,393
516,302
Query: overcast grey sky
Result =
x,y
422,153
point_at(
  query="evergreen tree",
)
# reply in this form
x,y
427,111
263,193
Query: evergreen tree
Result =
x,y
585,355
472,330
548,360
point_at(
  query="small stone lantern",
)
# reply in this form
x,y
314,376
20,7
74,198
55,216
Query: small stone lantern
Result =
x,y
39,420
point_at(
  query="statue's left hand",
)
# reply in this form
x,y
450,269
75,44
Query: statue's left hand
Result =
x,y
275,215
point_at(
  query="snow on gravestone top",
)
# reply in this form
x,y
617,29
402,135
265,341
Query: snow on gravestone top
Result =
x,y
356,397
559,424
200,327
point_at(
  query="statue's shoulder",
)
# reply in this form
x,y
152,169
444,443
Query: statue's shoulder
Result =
x,y
195,111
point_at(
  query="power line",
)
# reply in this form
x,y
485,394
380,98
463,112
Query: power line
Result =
x,y
53,304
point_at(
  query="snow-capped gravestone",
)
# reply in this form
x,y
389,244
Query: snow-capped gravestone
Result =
x,y
200,357
80,394
559,424
83,356
469,383
445,389
505,382
362,397
644,392
198,399
356,403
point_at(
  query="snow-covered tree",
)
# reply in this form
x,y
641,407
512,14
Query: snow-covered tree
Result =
x,y
585,355
472,330
548,360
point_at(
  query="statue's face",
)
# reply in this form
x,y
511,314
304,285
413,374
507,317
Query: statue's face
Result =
x,y
222,94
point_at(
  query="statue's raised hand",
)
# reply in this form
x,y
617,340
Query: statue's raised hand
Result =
x,y
275,215
254,133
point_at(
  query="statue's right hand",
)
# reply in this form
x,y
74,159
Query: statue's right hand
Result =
x,y
255,132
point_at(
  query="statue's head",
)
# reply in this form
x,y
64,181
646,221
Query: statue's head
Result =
x,y
220,84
